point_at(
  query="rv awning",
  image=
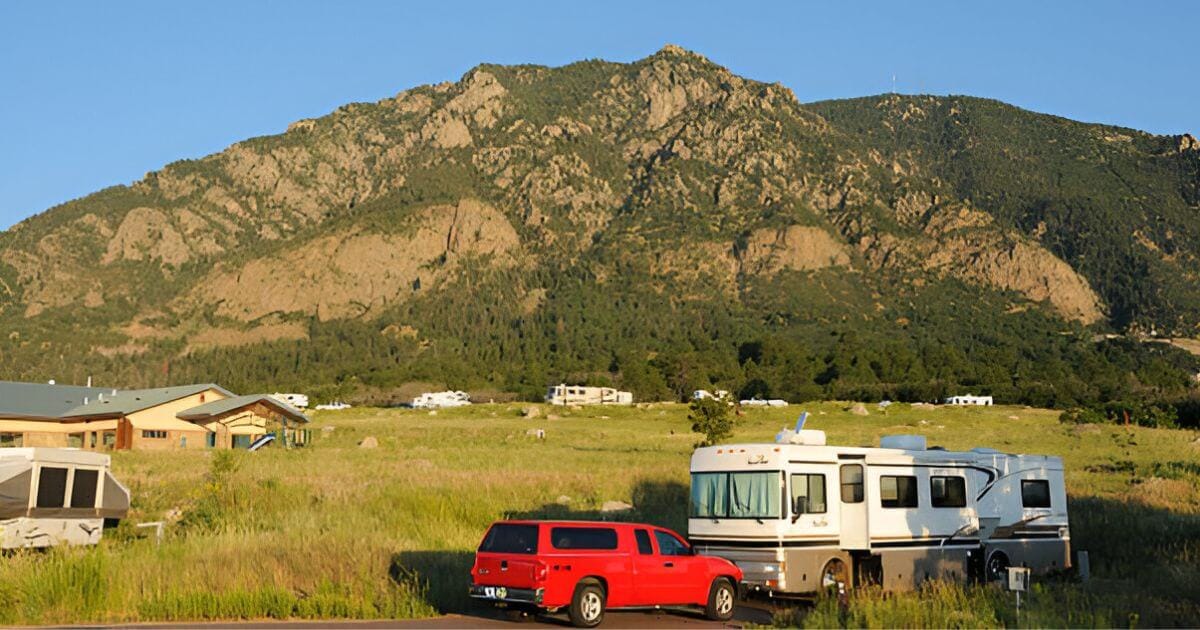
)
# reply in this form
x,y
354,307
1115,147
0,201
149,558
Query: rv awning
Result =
x,y
224,406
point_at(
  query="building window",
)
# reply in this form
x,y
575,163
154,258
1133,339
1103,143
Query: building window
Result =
x,y
898,492
155,435
52,487
948,492
12,439
75,440
852,483
1035,493
109,439
808,494
83,489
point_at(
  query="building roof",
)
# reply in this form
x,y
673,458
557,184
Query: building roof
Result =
x,y
124,402
226,405
44,400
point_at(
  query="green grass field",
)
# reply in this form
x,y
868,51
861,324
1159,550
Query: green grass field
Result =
x,y
334,530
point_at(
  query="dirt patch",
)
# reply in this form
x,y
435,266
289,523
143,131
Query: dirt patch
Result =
x,y
225,337
797,247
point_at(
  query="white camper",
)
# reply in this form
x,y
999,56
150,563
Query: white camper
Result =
x,y
583,395
299,401
51,496
799,516
441,400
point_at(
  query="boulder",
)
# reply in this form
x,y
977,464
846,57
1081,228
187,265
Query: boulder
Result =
x,y
552,416
859,410
615,506
536,433
531,412
563,499
369,442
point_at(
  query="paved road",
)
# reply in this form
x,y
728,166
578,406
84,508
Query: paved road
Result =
x,y
615,619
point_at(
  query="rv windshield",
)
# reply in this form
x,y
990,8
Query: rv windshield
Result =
x,y
736,494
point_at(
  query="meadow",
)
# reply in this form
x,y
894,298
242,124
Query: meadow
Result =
x,y
333,530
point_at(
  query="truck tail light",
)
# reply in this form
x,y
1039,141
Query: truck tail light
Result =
x,y
540,571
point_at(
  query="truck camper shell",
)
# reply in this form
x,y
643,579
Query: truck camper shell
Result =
x,y
50,496
800,516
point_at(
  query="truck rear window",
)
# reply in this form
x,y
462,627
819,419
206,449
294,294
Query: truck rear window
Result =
x,y
583,538
511,538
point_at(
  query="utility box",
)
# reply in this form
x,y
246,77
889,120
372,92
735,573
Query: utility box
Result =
x,y
1018,579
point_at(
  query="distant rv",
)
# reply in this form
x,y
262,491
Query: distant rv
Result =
x,y
969,400
336,405
52,496
799,517
441,400
581,395
299,401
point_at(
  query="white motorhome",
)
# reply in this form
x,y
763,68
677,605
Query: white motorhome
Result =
x,y
51,496
582,395
799,516
441,400
299,401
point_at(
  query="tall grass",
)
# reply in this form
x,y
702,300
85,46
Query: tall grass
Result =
x,y
336,531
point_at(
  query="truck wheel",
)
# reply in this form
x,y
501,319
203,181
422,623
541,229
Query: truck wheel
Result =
x,y
722,598
587,605
997,567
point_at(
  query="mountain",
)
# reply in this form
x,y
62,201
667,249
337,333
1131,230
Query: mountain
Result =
x,y
662,224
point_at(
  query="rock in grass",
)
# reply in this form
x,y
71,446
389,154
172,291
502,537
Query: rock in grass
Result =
x,y
369,442
615,506
531,412
859,410
536,433
563,499
552,416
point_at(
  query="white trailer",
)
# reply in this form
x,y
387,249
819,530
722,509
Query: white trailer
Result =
x,y
441,400
51,496
799,517
564,394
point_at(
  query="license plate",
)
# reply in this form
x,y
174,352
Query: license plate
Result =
x,y
495,592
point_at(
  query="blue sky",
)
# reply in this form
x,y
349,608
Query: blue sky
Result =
x,y
97,94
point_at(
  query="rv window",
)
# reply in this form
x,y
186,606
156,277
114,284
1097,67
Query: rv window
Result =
x,y
898,492
1035,493
948,492
643,542
852,483
52,488
669,545
736,495
510,538
808,494
83,489
583,538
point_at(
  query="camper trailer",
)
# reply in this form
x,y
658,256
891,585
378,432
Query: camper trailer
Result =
x,y
51,496
581,395
799,516
441,400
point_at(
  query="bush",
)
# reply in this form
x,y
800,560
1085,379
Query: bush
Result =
x,y
711,417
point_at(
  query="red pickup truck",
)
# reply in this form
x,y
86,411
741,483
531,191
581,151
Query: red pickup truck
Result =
x,y
587,567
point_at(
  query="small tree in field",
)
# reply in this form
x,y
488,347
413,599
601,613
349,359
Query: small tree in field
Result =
x,y
711,417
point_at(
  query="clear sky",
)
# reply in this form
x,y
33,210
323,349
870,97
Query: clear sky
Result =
x,y
94,94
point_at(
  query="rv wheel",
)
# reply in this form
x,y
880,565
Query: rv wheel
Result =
x,y
997,567
834,574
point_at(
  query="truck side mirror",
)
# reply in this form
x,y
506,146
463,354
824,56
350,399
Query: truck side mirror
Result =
x,y
799,507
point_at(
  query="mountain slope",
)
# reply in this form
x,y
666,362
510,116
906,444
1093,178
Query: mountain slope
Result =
x,y
643,222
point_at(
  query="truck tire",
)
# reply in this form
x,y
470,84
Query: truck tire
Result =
x,y
587,605
722,599
996,569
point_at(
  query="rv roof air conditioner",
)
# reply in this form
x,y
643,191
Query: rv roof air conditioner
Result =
x,y
903,442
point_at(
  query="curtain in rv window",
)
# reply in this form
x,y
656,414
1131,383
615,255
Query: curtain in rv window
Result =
x,y
710,495
754,495
852,483
736,495
808,494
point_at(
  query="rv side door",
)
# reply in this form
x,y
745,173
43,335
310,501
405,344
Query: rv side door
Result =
x,y
854,533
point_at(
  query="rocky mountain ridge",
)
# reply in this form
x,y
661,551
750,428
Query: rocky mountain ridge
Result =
x,y
671,169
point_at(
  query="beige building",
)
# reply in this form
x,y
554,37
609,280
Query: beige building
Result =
x,y
166,418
